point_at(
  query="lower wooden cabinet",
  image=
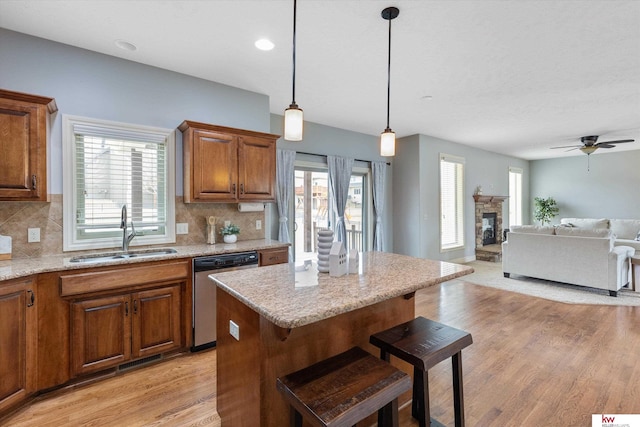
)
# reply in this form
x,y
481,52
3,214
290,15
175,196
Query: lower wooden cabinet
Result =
x,y
112,330
18,320
273,256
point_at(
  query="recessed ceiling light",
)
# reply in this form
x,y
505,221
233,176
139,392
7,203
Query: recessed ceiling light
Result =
x,y
264,44
125,45
426,98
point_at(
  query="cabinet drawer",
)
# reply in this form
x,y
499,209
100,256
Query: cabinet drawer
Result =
x,y
273,256
82,283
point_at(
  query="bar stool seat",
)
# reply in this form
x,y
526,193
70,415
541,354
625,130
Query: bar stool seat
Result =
x,y
424,343
344,389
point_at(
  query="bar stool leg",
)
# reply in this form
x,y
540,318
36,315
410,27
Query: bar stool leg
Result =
x,y
295,418
458,399
388,415
420,405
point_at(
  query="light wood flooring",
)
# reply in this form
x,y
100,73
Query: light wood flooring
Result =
x,y
533,363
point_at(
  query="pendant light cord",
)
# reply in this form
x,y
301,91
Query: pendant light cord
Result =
x,y
389,76
293,96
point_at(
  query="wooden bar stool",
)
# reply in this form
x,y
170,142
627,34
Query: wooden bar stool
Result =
x,y
425,343
345,389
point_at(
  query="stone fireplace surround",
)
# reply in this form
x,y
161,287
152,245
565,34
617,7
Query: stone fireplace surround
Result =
x,y
488,204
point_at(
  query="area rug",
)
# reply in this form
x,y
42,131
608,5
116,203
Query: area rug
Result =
x,y
490,274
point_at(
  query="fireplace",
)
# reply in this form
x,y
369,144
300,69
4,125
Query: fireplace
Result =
x,y
489,228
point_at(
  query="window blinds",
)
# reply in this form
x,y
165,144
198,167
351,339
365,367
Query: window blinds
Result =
x,y
451,202
114,167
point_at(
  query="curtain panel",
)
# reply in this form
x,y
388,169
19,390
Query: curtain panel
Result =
x,y
379,174
284,191
339,177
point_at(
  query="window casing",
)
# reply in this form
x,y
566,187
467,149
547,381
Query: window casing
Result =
x,y
451,202
515,196
107,165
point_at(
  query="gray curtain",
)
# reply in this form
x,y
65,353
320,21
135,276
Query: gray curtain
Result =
x,y
378,173
339,177
284,191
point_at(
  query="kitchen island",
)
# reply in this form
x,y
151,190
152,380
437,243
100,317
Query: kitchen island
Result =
x,y
290,316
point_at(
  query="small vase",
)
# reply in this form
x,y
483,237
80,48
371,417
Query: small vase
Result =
x,y
325,241
230,238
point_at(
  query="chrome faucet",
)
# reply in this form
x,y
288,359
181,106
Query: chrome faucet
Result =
x,y
123,224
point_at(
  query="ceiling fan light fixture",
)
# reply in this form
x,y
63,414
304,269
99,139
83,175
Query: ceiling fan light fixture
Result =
x,y
293,116
388,137
588,149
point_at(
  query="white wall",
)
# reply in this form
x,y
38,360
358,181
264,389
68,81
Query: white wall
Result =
x,y
609,189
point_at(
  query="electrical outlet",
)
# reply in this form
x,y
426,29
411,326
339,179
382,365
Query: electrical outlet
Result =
x,y
33,235
227,223
182,228
258,224
234,330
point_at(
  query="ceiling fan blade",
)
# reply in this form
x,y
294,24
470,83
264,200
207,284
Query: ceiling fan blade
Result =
x,y
604,145
574,148
567,146
621,141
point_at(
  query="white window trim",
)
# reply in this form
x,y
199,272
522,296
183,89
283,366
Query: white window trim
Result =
x,y
519,209
69,205
462,161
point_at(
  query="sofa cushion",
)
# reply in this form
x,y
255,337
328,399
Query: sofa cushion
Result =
x,y
625,228
586,222
532,229
582,232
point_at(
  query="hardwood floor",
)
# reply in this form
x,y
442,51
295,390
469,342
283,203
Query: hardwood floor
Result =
x,y
533,363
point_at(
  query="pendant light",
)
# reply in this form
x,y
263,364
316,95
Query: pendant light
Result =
x,y
388,137
293,117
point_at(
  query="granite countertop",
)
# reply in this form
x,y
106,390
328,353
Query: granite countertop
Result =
x,y
290,295
16,268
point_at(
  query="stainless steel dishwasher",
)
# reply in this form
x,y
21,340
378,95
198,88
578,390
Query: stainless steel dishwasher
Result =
x,y
204,292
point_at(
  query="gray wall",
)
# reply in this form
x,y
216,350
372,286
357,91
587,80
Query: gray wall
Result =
x,y
90,84
609,189
417,198
327,140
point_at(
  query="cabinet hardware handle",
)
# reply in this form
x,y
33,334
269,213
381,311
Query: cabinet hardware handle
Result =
x,y
126,308
241,188
135,306
34,183
234,189
32,298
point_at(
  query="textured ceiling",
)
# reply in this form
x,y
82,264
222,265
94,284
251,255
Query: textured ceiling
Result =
x,y
514,77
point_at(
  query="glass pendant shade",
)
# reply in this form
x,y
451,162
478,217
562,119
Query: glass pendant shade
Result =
x,y
388,143
293,123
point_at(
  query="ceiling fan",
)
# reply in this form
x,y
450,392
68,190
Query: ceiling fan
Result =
x,y
591,144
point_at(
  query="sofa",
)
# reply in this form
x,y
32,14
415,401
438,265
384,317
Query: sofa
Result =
x,y
579,256
626,231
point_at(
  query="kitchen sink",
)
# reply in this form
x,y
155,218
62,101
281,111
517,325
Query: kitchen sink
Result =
x,y
114,256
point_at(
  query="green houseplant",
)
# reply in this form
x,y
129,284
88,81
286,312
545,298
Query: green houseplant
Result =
x,y
230,233
545,209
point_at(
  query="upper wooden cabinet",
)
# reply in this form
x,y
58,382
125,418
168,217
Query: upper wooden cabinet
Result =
x,y
227,165
24,127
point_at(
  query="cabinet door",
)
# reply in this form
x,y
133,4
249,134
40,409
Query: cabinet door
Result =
x,y
273,256
100,333
17,342
156,321
257,169
20,150
214,172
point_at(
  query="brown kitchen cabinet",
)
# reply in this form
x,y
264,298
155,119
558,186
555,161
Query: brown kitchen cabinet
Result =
x,y
273,256
112,330
24,129
18,341
227,165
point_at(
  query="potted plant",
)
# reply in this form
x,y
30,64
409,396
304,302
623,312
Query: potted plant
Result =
x,y
545,210
230,233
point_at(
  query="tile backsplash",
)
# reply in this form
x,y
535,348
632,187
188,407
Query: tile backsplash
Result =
x,y
17,217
